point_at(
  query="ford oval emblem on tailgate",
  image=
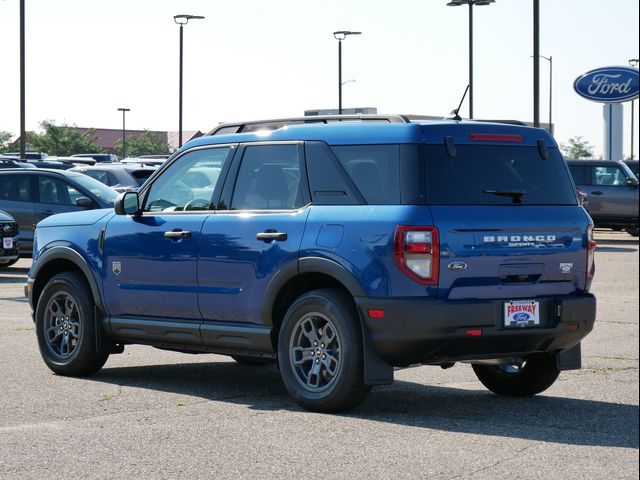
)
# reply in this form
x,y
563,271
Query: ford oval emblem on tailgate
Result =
x,y
457,266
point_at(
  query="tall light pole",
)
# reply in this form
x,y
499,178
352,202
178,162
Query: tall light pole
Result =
x,y
634,63
124,136
550,60
182,20
340,36
536,63
23,131
471,3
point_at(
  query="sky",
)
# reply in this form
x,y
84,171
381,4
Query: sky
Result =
x,y
252,59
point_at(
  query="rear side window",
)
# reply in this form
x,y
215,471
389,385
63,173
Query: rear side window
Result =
x,y
16,188
141,175
269,179
375,170
497,175
577,172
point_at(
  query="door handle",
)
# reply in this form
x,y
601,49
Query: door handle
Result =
x,y
271,235
597,192
177,234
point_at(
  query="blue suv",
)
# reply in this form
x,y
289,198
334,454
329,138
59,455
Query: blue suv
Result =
x,y
336,251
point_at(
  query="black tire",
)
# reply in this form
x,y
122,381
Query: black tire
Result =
x,y
9,263
254,361
65,326
634,232
535,376
320,352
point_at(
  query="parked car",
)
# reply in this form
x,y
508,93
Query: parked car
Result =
x,y
120,177
32,194
634,166
29,155
9,231
339,251
612,190
13,162
98,157
151,161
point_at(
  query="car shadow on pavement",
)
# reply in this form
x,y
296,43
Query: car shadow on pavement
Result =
x,y
542,418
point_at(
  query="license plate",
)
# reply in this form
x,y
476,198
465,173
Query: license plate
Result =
x,y
7,243
521,313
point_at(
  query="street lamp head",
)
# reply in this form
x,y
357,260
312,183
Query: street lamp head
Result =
x,y
479,3
342,34
124,109
634,62
184,19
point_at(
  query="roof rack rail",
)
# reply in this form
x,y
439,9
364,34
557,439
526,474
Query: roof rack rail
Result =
x,y
275,123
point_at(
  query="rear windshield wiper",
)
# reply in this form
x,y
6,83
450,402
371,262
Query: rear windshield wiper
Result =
x,y
516,195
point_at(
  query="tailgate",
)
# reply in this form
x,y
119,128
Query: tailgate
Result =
x,y
491,252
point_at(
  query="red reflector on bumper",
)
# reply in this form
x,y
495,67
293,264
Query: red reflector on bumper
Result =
x,y
474,332
572,327
376,313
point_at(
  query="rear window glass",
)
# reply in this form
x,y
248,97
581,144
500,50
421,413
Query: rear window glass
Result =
x,y
497,175
141,175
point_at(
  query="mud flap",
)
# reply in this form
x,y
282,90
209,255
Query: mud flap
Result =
x,y
376,370
570,359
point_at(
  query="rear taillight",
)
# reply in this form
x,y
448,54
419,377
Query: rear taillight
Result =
x,y
591,250
416,252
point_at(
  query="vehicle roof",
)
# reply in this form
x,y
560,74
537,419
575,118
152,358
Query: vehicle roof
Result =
x,y
35,171
113,166
349,133
594,161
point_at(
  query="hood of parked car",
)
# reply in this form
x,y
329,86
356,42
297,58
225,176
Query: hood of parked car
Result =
x,y
71,219
5,217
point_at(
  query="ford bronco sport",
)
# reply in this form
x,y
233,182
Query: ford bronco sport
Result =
x,y
337,251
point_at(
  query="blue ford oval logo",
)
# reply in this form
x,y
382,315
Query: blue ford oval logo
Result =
x,y
608,84
457,266
521,317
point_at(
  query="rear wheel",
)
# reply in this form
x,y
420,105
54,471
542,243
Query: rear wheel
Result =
x,y
65,326
320,352
634,232
519,380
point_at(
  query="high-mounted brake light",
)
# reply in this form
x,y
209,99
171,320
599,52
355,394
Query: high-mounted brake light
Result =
x,y
495,137
591,250
416,253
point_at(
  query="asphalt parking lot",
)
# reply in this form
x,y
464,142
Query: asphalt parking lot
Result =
x,y
155,414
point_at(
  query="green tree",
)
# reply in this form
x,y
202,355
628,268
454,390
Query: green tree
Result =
x,y
62,140
149,143
5,140
577,148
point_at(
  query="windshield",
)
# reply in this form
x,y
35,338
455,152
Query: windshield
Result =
x,y
106,194
497,175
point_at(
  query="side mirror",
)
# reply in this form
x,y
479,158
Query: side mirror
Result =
x,y
127,203
85,202
632,183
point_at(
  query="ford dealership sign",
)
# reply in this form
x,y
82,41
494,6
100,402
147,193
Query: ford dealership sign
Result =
x,y
608,84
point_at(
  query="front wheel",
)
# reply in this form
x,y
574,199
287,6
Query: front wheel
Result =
x,y
529,378
65,326
320,352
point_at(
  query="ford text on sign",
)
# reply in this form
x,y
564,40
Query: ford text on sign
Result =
x,y
608,84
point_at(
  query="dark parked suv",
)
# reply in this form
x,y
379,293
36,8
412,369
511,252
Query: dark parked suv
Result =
x,y
9,253
612,190
32,194
339,251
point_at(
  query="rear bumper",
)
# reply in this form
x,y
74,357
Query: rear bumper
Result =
x,y
436,331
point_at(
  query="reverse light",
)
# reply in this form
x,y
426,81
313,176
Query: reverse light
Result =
x,y
591,250
416,253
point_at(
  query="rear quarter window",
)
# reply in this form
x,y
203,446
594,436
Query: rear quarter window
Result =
x,y
497,175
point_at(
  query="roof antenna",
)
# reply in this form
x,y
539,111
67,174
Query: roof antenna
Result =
x,y
454,113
